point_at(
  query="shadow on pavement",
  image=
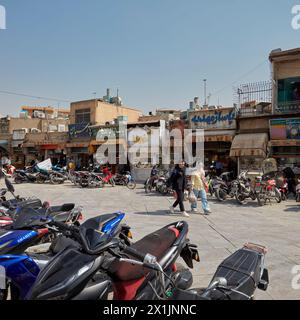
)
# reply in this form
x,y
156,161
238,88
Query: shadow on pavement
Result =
x,y
165,213
295,208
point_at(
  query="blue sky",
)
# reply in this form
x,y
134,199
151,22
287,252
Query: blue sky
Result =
x,y
157,52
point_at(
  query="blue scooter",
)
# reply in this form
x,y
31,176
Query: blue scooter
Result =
x,y
22,270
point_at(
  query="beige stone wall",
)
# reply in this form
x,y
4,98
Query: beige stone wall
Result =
x,y
91,104
287,69
47,138
108,112
104,112
254,125
40,124
17,124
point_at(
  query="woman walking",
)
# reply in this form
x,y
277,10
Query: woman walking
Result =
x,y
198,182
178,180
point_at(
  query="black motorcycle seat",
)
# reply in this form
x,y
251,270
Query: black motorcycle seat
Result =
x,y
99,222
156,244
61,243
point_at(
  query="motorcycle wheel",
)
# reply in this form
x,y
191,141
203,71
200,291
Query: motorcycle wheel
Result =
x,y
163,190
112,182
221,195
55,180
278,196
131,185
298,197
18,180
148,187
240,199
283,196
84,183
40,180
261,199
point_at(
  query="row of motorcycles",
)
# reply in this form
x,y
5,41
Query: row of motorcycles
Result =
x,y
98,178
272,186
158,183
97,259
93,177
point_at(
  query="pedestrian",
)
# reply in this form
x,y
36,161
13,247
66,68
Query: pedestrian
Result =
x,y
178,181
199,189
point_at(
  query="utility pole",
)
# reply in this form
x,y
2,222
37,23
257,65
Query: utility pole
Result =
x,y
205,96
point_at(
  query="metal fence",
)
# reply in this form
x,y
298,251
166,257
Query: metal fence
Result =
x,y
254,98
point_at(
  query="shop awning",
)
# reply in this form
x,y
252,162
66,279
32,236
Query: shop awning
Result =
x,y
78,145
50,147
249,145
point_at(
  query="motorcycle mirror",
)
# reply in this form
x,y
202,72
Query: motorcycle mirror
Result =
x,y
9,186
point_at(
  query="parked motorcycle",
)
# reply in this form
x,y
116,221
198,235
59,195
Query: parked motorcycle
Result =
x,y
8,207
125,179
24,176
284,189
266,190
225,187
147,270
244,190
22,271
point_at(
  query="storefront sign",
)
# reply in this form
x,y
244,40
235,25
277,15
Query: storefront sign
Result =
x,y
213,119
79,131
282,129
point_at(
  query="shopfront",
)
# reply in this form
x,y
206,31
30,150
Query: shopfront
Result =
x,y
250,150
219,130
285,143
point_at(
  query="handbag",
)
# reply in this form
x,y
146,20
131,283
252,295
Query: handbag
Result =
x,y
192,198
205,184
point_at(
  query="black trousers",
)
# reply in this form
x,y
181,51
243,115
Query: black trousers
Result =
x,y
179,201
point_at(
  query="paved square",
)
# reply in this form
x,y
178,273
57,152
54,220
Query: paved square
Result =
x,y
276,226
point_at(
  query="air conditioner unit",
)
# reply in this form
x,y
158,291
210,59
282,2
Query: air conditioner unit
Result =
x,y
39,115
35,130
52,128
61,128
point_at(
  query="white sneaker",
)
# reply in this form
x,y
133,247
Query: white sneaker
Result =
x,y
185,214
172,210
195,211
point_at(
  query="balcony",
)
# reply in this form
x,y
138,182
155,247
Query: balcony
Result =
x,y
288,107
261,109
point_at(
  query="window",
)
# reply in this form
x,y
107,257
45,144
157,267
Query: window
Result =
x,y
289,90
83,116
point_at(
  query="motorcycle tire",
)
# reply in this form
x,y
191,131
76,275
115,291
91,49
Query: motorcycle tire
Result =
x,y
221,195
298,197
55,180
40,180
112,182
163,190
18,180
278,196
261,199
283,196
84,184
131,185
240,198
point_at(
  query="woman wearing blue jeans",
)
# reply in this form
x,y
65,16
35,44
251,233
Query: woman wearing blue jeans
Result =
x,y
199,191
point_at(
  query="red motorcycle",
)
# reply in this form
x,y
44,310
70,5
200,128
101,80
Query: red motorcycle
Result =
x,y
266,190
97,179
